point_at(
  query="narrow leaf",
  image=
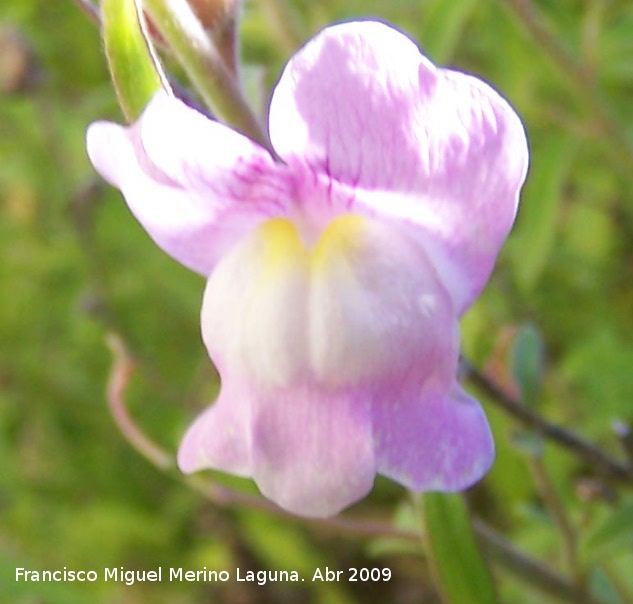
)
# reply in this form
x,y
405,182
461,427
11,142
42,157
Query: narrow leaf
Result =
x,y
134,68
537,223
461,571
527,363
614,534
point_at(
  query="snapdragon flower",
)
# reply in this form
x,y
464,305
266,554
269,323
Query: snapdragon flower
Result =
x,y
335,277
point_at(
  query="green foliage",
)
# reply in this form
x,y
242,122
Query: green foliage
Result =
x,y
462,572
74,265
527,363
536,231
135,73
614,534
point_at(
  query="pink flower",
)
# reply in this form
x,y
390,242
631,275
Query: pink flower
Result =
x,y
336,278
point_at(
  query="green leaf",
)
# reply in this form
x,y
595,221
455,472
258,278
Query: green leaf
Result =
x,y
603,587
461,571
527,363
598,368
615,533
528,442
134,68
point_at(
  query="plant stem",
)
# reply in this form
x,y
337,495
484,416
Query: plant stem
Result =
x,y
119,378
557,510
625,436
565,438
205,67
502,552
225,37
527,569
120,375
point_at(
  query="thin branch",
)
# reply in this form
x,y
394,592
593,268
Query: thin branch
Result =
x,y
119,378
625,436
562,436
526,568
534,22
557,510
225,35
121,373
504,553
199,57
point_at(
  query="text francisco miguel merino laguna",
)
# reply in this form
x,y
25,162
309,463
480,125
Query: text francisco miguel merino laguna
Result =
x,y
129,577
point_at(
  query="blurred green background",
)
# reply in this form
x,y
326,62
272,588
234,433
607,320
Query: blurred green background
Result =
x,y
74,265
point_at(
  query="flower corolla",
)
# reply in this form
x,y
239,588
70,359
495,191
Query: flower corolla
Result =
x,y
336,276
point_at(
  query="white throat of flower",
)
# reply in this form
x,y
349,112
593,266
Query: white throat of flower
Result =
x,y
361,303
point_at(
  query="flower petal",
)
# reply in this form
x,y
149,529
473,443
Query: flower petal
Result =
x,y
344,104
309,339
313,449
309,451
433,442
194,184
434,147
254,312
220,436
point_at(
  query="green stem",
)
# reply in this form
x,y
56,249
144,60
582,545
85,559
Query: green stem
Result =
x,y
525,568
589,452
418,505
500,550
135,69
625,436
122,370
205,67
557,510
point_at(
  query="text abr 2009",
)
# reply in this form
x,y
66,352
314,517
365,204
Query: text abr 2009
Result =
x,y
369,574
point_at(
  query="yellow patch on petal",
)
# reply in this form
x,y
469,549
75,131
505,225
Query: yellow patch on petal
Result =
x,y
337,240
281,247
360,303
281,244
